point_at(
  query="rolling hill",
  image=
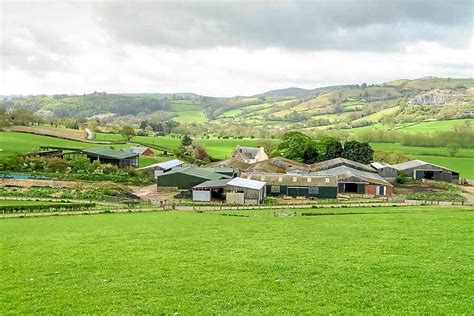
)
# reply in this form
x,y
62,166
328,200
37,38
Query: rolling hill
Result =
x,y
392,103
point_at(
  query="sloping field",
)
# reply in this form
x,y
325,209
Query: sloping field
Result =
x,y
446,125
388,261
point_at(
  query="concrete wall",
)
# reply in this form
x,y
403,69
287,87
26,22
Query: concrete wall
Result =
x,y
201,196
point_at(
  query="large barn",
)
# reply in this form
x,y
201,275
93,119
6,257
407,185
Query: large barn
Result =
x,y
187,177
117,158
296,185
418,169
161,167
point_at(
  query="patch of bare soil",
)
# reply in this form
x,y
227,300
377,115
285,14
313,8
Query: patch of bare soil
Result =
x,y
151,193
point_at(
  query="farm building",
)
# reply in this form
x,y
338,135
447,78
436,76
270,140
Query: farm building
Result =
x,y
187,177
297,185
235,191
159,168
237,166
227,171
117,158
385,170
277,165
418,169
249,154
141,151
352,180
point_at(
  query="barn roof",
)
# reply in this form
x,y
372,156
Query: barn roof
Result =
x,y
196,172
276,165
344,172
336,162
212,184
136,150
110,153
416,163
380,165
246,183
164,165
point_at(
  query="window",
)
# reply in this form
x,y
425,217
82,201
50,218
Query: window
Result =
x,y
313,190
327,180
262,178
280,179
294,179
275,189
309,180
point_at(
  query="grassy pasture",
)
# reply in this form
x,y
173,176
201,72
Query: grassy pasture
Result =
x,y
424,127
19,202
190,263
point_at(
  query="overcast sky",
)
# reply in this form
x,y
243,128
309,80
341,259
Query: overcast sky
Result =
x,y
224,48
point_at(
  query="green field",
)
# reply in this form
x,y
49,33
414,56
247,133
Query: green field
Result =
x,y
13,142
188,111
20,202
395,261
424,127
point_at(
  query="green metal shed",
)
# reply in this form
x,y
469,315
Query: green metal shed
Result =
x,y
187,177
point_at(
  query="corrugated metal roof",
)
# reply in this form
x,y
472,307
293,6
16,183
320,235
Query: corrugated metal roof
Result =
x,y
336,162
344,172
212,184
380,165
197,172
164,165
246,183
136,150
417,163
110,153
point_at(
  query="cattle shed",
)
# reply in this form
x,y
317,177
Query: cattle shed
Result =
x,y
117,158
356,181
159,168
297,185
419,169
233,191
187,177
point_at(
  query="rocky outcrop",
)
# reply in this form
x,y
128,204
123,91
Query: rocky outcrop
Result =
x,y
432,97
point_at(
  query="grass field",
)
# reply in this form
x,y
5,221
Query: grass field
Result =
x,y
424,127
188,111
190,263
19,202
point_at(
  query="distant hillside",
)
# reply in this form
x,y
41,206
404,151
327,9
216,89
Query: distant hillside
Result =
x,y
345,106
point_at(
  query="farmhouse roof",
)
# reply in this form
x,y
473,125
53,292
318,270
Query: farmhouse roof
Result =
x,y
247,152
197,172
110,153
293,179
246,183
164,165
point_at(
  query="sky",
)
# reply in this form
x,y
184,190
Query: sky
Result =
x,y
227,48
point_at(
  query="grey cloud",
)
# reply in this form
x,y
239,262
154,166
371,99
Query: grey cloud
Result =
x,y
298,25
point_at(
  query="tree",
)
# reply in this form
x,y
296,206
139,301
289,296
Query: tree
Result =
x,y
331,148
358,151
295,145
186,141
453,148
128,132
311,155
268,146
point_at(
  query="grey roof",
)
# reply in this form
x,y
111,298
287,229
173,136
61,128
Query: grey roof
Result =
x,y
196,172
336,162
380,165
109,153
416,163
136,150
248,152
164,165
212,184
246,183
343,172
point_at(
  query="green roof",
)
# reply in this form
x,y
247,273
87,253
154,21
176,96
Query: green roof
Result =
x,y
198,172
110,153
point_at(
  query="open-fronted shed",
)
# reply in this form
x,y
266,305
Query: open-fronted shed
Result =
x,y
419,169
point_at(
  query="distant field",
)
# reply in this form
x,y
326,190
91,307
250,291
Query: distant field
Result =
x,y
188,111
463,165
189,263
447,125
18,202
14,142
